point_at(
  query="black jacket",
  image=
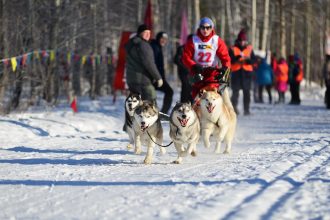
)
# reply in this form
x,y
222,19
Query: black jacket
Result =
x,y
140,63
159,57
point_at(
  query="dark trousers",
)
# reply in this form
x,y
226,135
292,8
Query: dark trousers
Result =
x,y
327,97
294,90
168,96
281,97
241,80
268,89
185,88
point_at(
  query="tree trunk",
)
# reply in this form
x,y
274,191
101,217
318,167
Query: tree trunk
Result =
x,y
230,20
265,28
282,29
4,78
308,41
254,23
293,29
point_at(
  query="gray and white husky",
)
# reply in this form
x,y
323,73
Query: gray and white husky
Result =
x,y
148,129
184,129
132,101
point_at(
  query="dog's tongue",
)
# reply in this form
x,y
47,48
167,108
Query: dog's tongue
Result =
x,y
210,108
183,122
143,128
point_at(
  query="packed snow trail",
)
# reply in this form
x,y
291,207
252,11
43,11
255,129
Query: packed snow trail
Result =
x,y
56,165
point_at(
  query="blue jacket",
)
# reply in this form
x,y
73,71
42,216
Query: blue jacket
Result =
x,y
264,73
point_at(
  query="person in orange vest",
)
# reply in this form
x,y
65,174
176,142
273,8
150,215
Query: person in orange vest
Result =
x,y
281,79
242,60
296,75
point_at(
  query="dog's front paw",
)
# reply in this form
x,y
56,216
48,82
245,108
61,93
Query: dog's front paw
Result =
x,y
217,151
137,151
162,151
147,161
177,161
129,146
226,152
194,153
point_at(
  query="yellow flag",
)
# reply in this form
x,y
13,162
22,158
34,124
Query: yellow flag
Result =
x,y
52,55
83,60
13,63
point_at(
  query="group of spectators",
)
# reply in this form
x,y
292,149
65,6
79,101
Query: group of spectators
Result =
x,y
199,68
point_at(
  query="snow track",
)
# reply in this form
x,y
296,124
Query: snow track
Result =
x,y
57,165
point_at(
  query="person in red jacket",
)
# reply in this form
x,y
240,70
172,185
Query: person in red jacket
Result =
x,y
281,79
199,56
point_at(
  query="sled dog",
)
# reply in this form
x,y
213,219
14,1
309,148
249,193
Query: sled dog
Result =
x,y
218,118
132,101
184,129
148,129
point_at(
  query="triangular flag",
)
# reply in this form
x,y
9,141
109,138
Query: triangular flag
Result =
x,y
13,63
148,16
184,28
83,60
73,104
52,55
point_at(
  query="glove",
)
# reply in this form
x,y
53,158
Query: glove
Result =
x,y
196,78
223,75
248,61
197,68
159,83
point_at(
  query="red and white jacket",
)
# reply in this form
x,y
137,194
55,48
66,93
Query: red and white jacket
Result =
x,y
205,51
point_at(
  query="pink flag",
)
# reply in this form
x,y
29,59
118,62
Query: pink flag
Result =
x,y
184,28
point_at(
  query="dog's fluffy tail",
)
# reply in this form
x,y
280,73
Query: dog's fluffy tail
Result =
x,y
226,99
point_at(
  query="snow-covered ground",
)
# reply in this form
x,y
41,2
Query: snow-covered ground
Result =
x,y
57,165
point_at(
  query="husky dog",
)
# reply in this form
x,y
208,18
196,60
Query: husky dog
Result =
x,y
184,128
132,101
148,129
218,118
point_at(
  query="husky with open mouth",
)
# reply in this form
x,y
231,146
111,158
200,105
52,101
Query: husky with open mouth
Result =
x,y
148,129
132,101
184,129
218,118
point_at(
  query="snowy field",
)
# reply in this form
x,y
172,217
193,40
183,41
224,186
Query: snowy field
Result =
x,y
57,165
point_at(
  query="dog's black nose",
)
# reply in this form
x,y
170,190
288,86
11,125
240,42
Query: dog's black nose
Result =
x,y
143,123
130,105
184,116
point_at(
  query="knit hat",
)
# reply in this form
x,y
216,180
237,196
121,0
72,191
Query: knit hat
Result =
x,y
206,20
161,35
142,28
242,35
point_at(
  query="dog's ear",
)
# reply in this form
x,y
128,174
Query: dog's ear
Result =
x,y
201,92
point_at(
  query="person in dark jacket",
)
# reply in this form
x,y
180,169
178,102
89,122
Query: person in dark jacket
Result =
x,y
264,79
326,76
296,75
141,70
242,60
183,72
157,45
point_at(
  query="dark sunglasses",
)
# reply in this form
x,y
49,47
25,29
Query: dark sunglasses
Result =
x,y
205,27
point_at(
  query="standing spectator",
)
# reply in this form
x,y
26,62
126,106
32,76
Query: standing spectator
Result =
x,y
199,55
141,70
295,77
281,79
264,79
183,72
157,45
326,76
243,58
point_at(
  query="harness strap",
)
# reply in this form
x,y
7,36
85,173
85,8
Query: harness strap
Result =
x,y
157,143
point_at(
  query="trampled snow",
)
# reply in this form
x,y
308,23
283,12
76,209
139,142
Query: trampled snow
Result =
x,y
58,165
